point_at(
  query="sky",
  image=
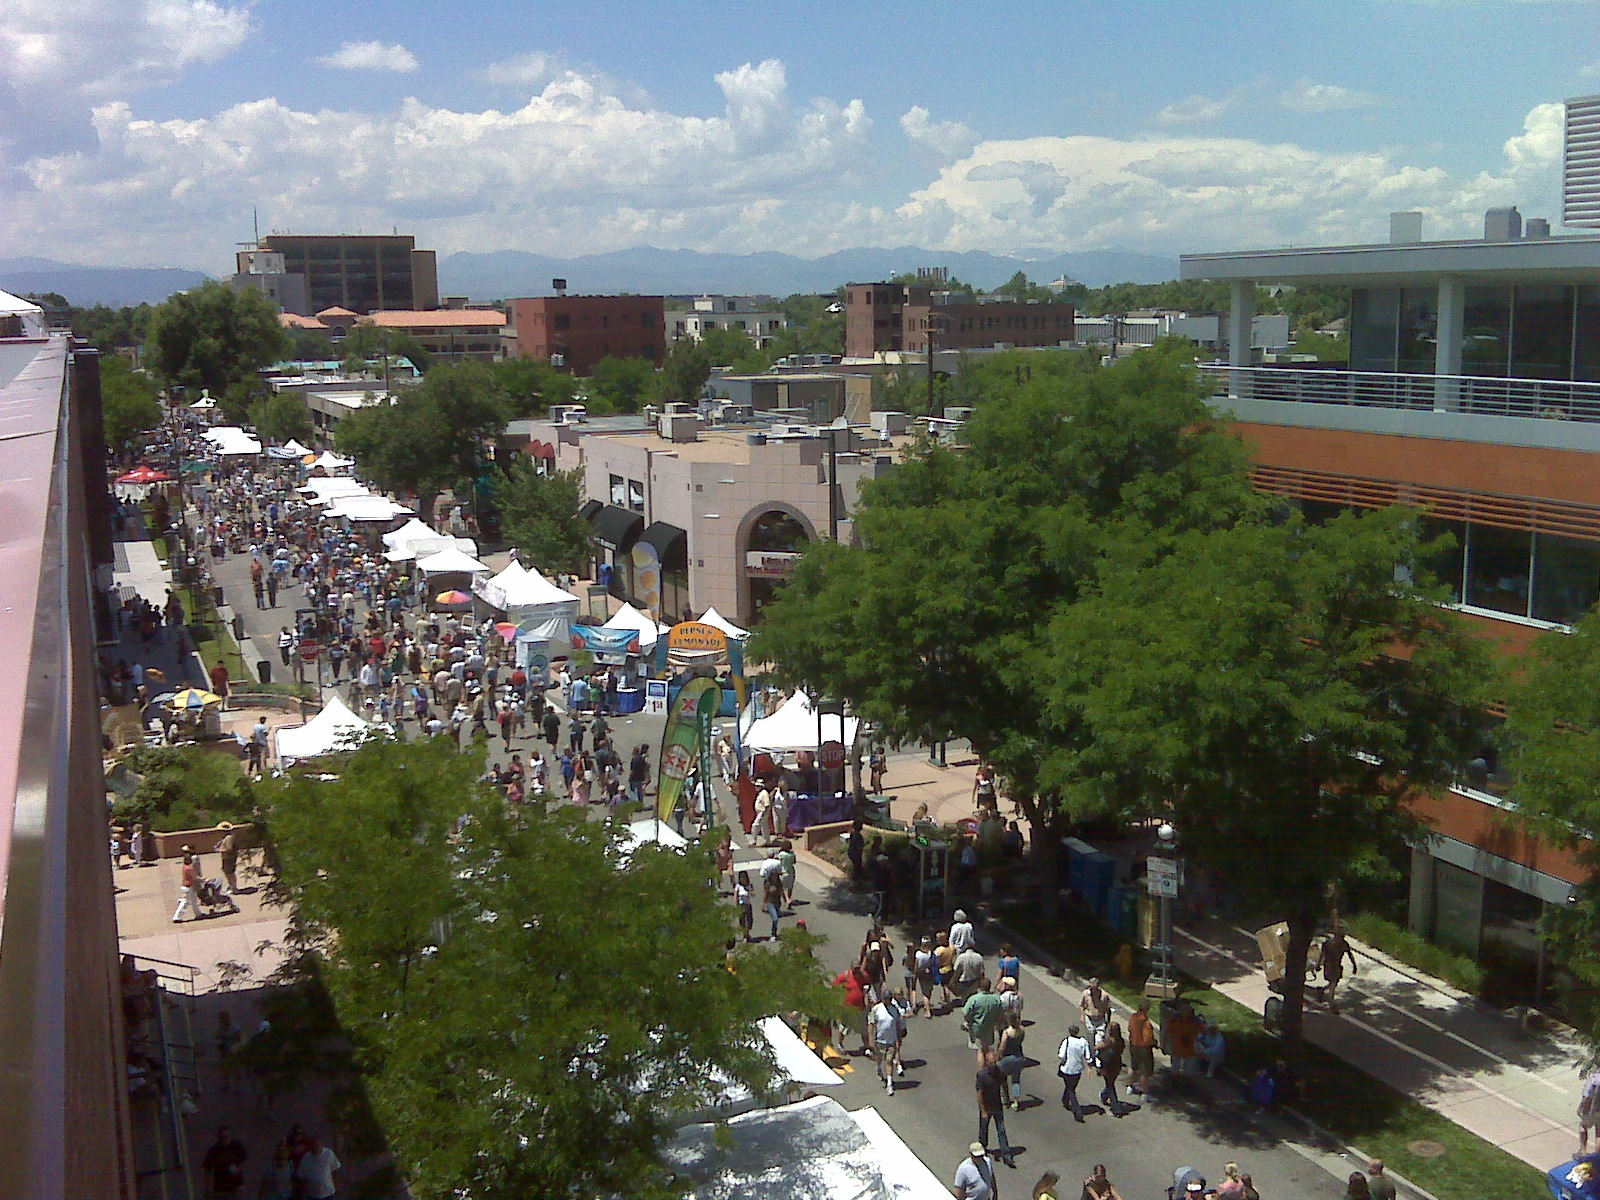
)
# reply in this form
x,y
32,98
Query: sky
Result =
x,y
144,132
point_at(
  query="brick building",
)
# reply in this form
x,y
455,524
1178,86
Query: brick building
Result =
x,y
881,317
576,332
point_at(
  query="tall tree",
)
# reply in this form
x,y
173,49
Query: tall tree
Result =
x,y
933,625
531,1006
620,385
1278,691
130,401
367,341
539,516
281,418
684,373
214,337
532,385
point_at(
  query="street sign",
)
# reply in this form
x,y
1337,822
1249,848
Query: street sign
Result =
x,y
310,651
1161,876
831,755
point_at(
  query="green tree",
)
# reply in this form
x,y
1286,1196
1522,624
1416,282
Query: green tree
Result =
x,y
1020,287
539,516
620,385
532,385
431,438
530,1007
1280,691
214,337
112,328
309,345
367,342
130,402
282,418
684,374
725,347
932,627
812,328
1326,347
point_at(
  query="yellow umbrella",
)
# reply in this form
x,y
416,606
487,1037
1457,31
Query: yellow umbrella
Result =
x,y
194,698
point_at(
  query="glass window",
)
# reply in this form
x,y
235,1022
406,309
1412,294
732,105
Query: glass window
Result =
x,y
1541,333
1448,555
1418,331
619,491
1486,331
1374,326
1497,568
1566,578
635,495
1320,512
1586,334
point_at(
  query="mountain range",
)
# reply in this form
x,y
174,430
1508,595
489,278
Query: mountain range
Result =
x,y
500,274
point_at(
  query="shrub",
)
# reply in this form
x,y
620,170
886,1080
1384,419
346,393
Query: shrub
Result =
x,y
1454,968
185,787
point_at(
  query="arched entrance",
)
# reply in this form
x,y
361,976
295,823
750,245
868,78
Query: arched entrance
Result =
x,y
772,541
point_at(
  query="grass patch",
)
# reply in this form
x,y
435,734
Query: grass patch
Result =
x,y
1399,942
213,640
1354,1106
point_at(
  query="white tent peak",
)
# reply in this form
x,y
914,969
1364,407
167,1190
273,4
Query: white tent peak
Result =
x,y
451,561
717,621
629,617
336,727
794,727
409,532
294,447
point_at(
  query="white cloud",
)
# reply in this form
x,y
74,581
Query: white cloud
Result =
x,y
576,168
947,139
371,56
1309,97
1196,109
523,70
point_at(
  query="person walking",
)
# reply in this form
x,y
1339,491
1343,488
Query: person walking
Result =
x,y
1099,1186
1108,1061
1378,1183
316,1172
285,645
772,899
741,898
885,1023
258,746
980,1016
991,1086
228,847
1045,1189
1335,949
787,870
272,589
224,1165
1074,1058
1096,1007
961,933
1011,1060
190,879
974,1178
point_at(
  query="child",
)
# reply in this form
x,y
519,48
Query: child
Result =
x,y
1011,967
741,897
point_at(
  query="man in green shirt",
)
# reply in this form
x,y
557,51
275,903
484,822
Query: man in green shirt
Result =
x,y
981,1018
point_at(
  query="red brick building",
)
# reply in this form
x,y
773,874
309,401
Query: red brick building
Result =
x,y
576,332
882,317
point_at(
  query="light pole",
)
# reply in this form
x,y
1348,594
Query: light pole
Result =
x,y
1161,880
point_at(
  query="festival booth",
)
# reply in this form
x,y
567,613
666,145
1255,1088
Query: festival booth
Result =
x,y
450,573
717,621
231,441
541,612
693,648
820,742
331,464
333,729
136,484
323,491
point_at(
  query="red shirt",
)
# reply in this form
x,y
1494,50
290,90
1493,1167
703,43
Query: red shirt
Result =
x,y
219,679
854,995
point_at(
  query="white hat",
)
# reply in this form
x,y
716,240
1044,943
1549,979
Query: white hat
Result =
x,y
977,1150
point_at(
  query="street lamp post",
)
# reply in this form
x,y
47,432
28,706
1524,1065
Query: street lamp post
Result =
x,y
1161,880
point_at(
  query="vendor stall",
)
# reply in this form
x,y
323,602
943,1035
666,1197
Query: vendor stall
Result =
x,y
333,729
820,743
542,613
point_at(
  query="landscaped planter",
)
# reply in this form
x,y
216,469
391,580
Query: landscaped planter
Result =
x,y
201,841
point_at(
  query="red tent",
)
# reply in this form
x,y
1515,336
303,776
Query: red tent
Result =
x,y
144,473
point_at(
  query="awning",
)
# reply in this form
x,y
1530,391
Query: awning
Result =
x,y
670,542
588,508
617,527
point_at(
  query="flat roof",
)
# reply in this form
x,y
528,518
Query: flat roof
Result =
x,y
429,318
1574,259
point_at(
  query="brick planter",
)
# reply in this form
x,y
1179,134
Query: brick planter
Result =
x,y
201,841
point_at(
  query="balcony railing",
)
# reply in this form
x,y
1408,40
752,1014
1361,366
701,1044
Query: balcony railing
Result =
x,y
1480,395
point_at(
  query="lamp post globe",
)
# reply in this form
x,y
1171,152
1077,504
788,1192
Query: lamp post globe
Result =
x,y
1166,834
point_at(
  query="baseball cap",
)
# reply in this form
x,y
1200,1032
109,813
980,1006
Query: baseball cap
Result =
x,y
977,1150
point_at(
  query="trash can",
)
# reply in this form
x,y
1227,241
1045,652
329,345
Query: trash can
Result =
x,y
216,596
264,670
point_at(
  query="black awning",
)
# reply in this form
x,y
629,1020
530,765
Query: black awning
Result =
x,y
617,527
671,543
588,508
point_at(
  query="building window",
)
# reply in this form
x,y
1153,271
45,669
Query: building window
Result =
x,y
1541,333
1374,326
561,321
1498,565
635,495
733,306
1566,578
1447,560
1486,331
619,491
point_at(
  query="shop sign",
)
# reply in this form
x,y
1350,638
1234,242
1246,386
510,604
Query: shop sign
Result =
x,y
697,637
770,564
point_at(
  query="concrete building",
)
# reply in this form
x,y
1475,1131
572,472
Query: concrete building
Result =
x,y
726,510
360,272
805,397
264,271
1473,394
576,332
757,316
64,1090
1580,166
889,317
449,334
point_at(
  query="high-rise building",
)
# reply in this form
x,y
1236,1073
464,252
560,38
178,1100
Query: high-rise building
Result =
x,y
1580,174
360,272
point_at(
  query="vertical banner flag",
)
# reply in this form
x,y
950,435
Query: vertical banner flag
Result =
x,y
647,577
681,744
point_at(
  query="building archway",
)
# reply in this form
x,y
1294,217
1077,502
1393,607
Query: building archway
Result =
x,y
771,538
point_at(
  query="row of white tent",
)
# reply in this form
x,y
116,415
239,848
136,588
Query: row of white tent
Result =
x,y
351,500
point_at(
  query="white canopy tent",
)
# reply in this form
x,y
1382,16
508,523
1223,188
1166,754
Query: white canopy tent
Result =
x,y
629,617
542,612
204,404
31,314
451,562
366,508
413,530
795,727
329,461
715,619
230,439
324,490
643,832
333,729
296,449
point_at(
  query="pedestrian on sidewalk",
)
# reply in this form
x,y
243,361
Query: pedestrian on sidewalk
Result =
x,y
224,1165
1356,1187
1099,1186
961,935
741,897
1232,1185
947,968
1045,1189
190,879
772,898
285,645
1141,1048
990,1086
1074,1058
272,590
1335,949
980,1017
1378,1183
975,1176
316,1172
886,1024
228,847
1108,1061
1096,1007
1011,1060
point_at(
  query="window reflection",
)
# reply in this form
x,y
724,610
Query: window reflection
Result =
x,y
1566,579
1497,569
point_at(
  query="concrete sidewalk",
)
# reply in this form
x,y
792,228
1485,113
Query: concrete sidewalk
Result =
x,y
1445,1049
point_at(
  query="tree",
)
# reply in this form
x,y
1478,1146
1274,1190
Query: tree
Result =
x,y
112,328
367,341
620,385
539,516
932,627
725,347
1280,691
529,1008
812,328
532,385
430,439
309,345
684,374
214,337
282,418
1552,734
129,401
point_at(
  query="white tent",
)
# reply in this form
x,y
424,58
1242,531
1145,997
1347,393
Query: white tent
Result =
x,y
333,729
329,461
648,830
715,619
413,530
326,489
794,727
629,617
813,1150
204,404
366,508
520,589
230,439
33,322
451,562
295,448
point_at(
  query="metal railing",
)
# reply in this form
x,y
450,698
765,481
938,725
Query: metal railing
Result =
x,y
167,1172
1480,395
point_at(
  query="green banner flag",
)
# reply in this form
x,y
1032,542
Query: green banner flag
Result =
x,y
685,739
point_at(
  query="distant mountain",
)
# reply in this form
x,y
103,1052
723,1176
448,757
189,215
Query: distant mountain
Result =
x,y
646,269
115,286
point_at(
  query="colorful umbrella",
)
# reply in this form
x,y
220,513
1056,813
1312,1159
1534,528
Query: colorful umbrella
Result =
x,y
506,629
194,698
452,597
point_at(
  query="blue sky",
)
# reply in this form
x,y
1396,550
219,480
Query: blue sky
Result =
x,y
142,131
